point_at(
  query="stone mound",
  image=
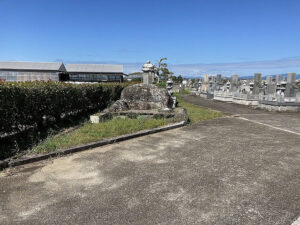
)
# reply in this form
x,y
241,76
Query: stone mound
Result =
x,y
142,97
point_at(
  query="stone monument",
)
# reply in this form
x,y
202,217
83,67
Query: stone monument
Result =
x,y
148,73
143,100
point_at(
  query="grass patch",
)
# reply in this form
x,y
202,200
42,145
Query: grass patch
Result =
x,y
94,132
197,113
117,126
183,92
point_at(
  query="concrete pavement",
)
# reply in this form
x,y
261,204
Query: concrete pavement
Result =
x,y
223,171
285,120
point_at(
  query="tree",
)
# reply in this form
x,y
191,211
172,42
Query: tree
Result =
x,y
161,67
165,73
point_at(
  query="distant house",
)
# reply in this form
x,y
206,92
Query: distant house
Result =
x,y
95,72
31,71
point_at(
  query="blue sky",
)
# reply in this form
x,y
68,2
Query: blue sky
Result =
x,y
197,36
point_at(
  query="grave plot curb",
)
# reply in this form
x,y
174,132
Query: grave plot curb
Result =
x,y
5,164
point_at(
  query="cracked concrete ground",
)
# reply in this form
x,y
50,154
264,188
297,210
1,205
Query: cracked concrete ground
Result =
x,y
223,171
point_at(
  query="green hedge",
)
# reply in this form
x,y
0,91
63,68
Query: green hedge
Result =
x,y
32,104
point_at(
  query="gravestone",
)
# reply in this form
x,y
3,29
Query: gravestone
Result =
x,y
219,82
205,84
205,78
234,82
291,78
290,85
278,78
219,79
271,87
257,83
298,97
269,80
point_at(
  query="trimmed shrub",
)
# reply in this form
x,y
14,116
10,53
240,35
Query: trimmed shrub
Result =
x,y
38,105
31,103
161,84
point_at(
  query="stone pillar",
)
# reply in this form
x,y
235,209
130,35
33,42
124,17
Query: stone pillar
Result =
x,y
147,78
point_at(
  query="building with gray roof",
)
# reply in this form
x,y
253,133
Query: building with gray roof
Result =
x,y
31,71
57,71
95,72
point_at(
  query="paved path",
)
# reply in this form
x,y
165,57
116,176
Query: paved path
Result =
x,y
224,171
284,120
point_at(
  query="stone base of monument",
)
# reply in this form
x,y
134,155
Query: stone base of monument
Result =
x,y
245,102
245,99
206,95
194,93
280,106
223,96
143,100
176,115
202,94
223,99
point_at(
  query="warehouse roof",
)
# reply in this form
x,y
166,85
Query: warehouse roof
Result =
x,y
94,68
52,66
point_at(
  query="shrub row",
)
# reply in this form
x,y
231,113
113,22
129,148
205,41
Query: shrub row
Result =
x,y
31,104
